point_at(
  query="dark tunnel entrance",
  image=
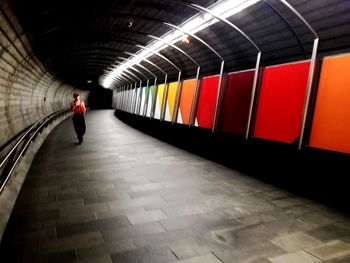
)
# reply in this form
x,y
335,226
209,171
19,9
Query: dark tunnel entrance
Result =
x,y
100,98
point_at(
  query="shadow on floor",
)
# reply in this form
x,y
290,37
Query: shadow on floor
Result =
x,y
318,175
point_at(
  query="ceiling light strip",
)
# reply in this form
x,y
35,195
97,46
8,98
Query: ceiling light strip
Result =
x,y
194,24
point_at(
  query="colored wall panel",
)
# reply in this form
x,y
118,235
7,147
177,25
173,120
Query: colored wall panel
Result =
x,y
187,94
207,101
143,99
136,99
151,95
160,97
154,99
125,100
131,93
236,102
134,102
138,104
331,122
281,102
169,112
132,98
138,107
128,101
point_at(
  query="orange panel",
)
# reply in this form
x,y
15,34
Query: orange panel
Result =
x,y
187,94
331,123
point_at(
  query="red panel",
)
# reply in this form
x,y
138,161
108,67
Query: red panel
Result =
x,y
235,107
207,101
281,102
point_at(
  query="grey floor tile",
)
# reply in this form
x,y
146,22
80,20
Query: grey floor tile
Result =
x,y
208,258
128,197
146,217
65,244
92,226
188,248
132,231
256,218
163,238
295,241
41,234
103,259
145,255
145,187
331,250
329,232
105,249
138,202
258,252
339,260
66,256
298,256
118,212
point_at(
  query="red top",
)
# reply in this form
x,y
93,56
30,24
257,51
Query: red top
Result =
x,y
78,107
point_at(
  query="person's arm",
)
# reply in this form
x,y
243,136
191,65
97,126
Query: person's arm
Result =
x,y
83,106
72,106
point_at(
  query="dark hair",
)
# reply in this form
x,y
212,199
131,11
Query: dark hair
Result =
x,y
75,94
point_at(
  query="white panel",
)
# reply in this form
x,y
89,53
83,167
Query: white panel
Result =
x,y
157,110
167,113
143,101
136,100
179,117
149,104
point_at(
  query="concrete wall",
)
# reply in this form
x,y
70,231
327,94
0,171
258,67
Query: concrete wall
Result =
x,y
28,91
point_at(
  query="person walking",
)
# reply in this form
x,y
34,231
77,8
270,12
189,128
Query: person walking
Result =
x,y
78,108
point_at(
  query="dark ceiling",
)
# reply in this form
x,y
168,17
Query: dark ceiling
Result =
x,y
79,40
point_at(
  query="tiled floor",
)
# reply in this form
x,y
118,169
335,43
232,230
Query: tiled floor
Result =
x,y
123,196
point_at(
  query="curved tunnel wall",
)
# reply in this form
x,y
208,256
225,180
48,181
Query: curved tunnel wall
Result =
x,y
279,104
28,91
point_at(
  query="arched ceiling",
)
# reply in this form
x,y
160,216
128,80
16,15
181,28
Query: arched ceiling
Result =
x,y
80,40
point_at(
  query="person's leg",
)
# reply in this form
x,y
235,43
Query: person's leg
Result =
x,y
76,125
81,129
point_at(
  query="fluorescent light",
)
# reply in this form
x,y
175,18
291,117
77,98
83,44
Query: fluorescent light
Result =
x,y
198,22
185,39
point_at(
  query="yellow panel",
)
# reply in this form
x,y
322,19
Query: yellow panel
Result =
x,y
172,97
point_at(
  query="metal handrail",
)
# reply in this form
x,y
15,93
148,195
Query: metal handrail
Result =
x,y
25,141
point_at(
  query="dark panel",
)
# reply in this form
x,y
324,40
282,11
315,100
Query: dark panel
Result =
x,y
236,101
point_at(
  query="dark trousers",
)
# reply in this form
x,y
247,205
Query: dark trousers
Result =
x,y
79,125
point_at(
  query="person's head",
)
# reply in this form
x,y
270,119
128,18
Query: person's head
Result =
x,y
76,95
